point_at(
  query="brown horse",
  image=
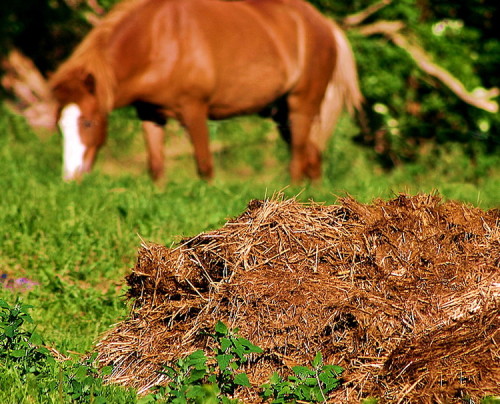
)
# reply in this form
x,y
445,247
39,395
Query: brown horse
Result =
x,y
194,60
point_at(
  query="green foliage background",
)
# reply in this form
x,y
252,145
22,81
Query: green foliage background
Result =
x,y
460,37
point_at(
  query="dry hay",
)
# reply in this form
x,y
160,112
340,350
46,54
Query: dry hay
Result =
x,y
404,294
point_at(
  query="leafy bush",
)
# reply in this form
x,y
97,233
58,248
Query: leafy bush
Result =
x,y
214,379
197,378
407,112
20,349
83,382
26,360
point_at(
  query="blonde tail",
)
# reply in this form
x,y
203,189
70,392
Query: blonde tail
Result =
x,y
343,90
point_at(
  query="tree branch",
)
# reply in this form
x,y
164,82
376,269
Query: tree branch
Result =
x,y
479,98
358,18
94,16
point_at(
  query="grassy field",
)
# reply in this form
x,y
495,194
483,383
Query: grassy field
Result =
x,y
77,241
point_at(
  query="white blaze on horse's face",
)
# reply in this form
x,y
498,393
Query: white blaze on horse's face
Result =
x,y
74,149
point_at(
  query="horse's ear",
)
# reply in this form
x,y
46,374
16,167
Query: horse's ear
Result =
x,y
89,83
72,85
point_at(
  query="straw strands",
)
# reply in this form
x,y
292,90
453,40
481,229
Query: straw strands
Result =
x,y
404,294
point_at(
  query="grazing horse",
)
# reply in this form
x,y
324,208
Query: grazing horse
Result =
x,y
194,60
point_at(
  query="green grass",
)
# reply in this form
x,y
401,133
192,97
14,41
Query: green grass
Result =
x,y
79,240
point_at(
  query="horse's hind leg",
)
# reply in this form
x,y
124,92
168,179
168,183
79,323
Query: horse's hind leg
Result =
x,y
194,119
154,136
306,157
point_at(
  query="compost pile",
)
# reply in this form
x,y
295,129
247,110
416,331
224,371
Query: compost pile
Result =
x,y
404,294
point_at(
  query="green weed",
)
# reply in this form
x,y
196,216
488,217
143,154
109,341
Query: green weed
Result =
x,y
201,379
310,385
214,379
34,375
20,349
193,379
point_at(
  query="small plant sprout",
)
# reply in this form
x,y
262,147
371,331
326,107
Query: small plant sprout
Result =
x,y
306,384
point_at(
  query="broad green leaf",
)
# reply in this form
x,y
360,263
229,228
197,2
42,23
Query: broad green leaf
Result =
x,y
18,353
275,378
106,370
302,371
223,360
44,351
9,331
179,400
146,399
81,373
77,387
195,392
196,375
250,347
225,343
197,360
334,369
221,328
303,392
240,351
318,360
36,339
199,354
89,381
241,379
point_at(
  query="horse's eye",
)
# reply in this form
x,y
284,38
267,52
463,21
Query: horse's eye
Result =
x,y
87,123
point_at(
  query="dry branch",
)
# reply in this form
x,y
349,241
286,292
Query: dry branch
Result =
x,y
34,99
358,18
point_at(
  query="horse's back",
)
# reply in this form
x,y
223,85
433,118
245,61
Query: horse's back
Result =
x,y
240,55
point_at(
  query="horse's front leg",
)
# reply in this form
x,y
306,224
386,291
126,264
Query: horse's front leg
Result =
x,y
154,136
194,119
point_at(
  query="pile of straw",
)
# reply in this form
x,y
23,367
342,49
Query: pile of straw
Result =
x,y
404,294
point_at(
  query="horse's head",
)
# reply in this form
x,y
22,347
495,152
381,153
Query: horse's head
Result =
x,y
82,122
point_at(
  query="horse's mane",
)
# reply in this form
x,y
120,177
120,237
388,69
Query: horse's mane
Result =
x,y
89,57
